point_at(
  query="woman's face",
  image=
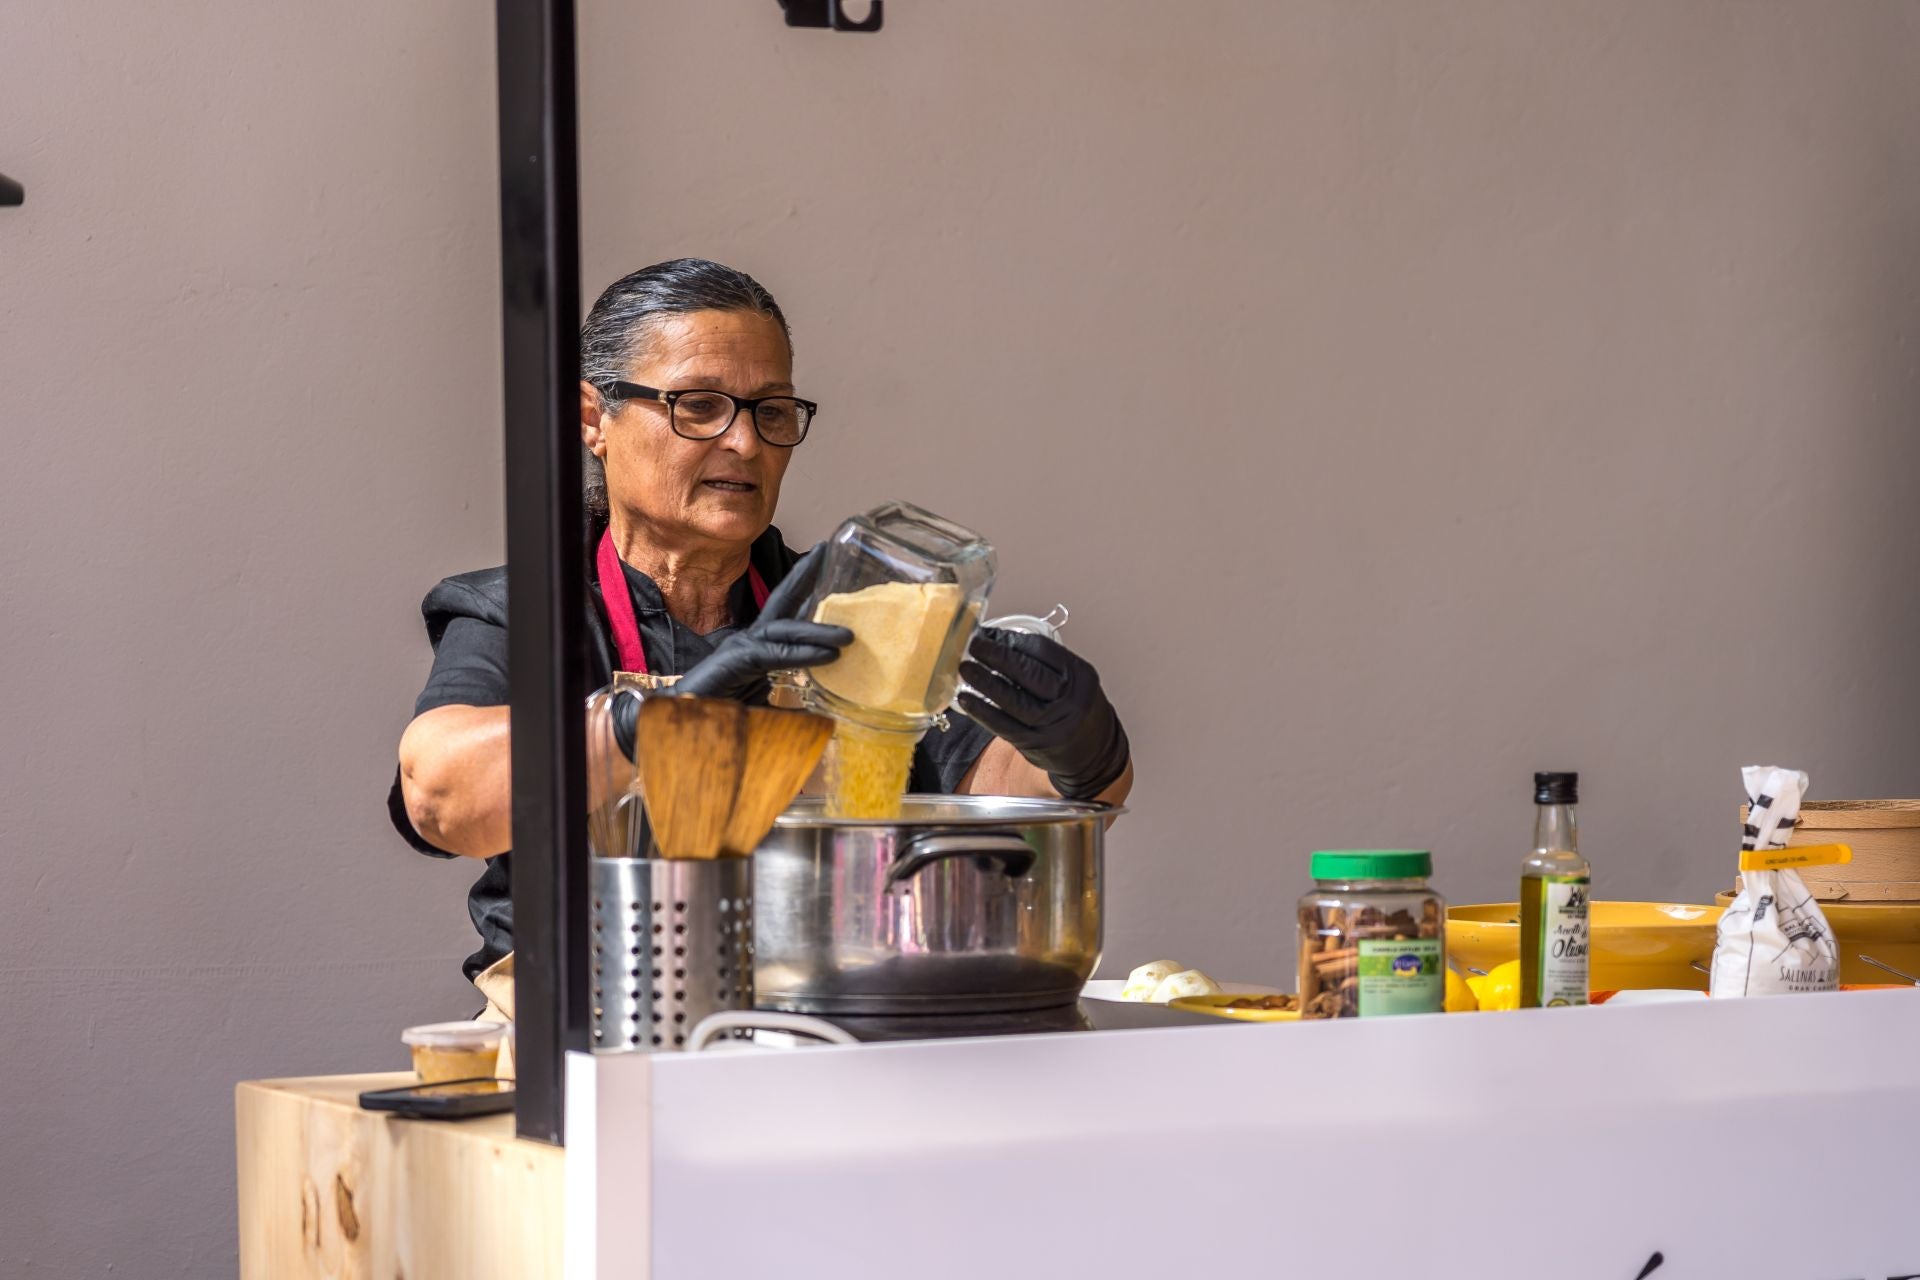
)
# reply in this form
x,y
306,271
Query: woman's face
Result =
x,y
720,490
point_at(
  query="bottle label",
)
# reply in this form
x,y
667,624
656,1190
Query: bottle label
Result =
x,y
1406,975
1563,939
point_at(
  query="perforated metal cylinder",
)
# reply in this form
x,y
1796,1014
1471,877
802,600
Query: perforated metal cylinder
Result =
x,y
672,941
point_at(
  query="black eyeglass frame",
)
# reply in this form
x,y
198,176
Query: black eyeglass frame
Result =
x,y
634,391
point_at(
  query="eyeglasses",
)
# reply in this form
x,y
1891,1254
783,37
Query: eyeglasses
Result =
x,y
781,421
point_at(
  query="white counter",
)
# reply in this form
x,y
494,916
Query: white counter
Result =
x,y
1763,1139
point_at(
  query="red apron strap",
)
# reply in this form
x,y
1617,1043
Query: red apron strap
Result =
x,y
619,600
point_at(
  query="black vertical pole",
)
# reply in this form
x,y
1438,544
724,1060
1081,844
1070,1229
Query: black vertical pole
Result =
x,y
546,654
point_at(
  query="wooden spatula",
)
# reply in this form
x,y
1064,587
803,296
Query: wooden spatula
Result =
x,y
691,754
782,749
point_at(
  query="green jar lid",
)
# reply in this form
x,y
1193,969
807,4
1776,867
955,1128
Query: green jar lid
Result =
x,y
1371,864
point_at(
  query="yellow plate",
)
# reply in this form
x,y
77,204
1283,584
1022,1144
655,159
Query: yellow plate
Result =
x,y
1217,1006
1637,946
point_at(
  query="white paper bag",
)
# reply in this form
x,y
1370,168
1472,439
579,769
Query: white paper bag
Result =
x,y
1773,939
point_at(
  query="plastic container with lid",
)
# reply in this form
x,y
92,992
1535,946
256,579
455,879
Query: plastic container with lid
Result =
x,y
1372,935
445,1051
911,586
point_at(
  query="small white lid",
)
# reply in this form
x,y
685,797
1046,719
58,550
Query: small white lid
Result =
x,y
456,1035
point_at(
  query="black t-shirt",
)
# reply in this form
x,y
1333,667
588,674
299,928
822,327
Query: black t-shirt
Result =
x,y
466,620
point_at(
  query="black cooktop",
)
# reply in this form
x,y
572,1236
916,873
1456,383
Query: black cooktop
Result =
x,y
1087,1015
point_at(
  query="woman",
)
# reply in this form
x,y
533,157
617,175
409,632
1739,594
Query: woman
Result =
x,y
688,410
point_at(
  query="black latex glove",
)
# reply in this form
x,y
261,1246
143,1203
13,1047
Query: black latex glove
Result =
x,y
739,667
1046,700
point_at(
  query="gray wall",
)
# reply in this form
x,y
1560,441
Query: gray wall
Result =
x,y
1404,397
249,384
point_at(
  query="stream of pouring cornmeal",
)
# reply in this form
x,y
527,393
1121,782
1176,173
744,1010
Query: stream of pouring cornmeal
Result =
x,y
867,771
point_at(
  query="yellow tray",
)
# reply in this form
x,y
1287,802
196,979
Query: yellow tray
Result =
x,y
1636,946
1218,1007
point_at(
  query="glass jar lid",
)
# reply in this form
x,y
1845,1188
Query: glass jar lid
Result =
x,y
457,1035
1371,864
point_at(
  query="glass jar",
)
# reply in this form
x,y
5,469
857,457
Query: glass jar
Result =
x,y
911,586
1372,935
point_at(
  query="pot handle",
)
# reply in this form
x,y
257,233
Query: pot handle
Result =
x,y
715,1025
1011,853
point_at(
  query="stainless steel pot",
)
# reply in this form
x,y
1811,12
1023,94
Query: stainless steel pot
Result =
x,y
963,904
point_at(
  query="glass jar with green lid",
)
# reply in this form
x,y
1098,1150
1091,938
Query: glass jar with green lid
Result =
x,y
1372,935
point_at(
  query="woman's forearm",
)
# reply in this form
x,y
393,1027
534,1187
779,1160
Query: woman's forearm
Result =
x,y
456,776
1003,771
1122,787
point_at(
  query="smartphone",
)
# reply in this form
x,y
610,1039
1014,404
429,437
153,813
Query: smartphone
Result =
x,y
450,1100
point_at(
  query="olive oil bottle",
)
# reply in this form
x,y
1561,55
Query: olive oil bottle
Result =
x,y
1555,883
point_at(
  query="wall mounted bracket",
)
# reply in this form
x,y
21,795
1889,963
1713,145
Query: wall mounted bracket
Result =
x,y
830,13
12,192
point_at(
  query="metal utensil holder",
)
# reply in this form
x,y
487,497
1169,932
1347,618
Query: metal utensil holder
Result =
x,y
672,942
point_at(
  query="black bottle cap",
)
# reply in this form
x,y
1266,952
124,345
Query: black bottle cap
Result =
x,y
1556,788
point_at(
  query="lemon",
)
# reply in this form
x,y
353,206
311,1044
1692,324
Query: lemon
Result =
x,y
1460,996
1500,988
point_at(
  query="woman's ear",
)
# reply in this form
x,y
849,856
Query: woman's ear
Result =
x,y
593,413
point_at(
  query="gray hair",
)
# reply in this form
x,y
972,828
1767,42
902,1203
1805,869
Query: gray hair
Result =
x,y
630,309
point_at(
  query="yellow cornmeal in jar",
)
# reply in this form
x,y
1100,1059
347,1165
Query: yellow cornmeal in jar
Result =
x,y
867,771
900,632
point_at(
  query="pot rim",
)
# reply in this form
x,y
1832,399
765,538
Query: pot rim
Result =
x,y
809,812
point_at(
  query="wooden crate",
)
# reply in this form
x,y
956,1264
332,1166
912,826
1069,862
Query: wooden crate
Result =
x,y
331,1192
1885,836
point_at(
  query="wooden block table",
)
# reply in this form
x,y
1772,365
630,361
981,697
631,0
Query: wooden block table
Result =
x,y
331,1192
